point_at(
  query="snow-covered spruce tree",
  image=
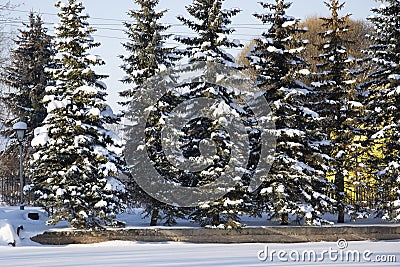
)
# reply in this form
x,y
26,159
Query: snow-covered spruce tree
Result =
x,y
296,184
210,23
338,101
147,53
146,56
27,79
78,160
212,32
384,121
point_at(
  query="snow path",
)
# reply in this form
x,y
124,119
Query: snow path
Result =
x,y
122,253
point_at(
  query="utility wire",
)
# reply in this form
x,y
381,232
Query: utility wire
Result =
x,y
16,23
100,26
120,20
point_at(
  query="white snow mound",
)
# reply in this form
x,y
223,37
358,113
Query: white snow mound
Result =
x,y
7,233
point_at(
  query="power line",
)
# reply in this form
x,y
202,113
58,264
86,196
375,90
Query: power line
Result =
x,y
119,20
53,14
100,26
14,23
52,23
167,43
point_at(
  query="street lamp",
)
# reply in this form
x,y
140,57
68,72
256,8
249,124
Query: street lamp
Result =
x,y
20,129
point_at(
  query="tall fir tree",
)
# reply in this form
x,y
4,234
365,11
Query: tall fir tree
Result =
x,y
78,160
296,184
27,79
211,31
210,22
147,53
383,102
339,102
146,56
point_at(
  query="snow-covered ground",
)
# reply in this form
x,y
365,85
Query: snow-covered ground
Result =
x,y
122,253
119,253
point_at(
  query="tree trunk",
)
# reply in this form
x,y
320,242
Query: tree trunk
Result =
x,y
340,214
154,217
339,181
285,219
215,219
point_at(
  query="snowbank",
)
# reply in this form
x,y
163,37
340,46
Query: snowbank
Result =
x,y
8,236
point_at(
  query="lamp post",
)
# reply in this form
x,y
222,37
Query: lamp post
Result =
x,y
20,129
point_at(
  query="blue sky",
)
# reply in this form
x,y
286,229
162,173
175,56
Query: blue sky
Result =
x,y
107,17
